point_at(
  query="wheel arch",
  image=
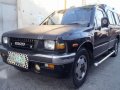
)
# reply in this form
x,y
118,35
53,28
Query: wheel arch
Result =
x,y
89,47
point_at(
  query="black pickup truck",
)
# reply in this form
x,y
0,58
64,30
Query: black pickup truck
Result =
x,y
67,42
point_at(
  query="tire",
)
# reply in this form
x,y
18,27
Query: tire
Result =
x,y
115,48
80,68
21,69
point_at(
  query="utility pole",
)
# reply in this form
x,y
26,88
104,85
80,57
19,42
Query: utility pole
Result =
x,y
65,4
83,2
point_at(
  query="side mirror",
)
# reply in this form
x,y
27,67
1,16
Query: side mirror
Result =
x,y
104,22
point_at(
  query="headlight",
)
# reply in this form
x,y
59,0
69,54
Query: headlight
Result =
x,y
5,40
49,44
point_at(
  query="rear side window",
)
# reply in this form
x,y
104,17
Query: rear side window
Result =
x,y
119,17
116,19
111,17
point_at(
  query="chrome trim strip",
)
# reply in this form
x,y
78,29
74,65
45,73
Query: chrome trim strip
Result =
x,y
103,51
98,63
64,56
42,55
104,43
101,45
59,60
55,56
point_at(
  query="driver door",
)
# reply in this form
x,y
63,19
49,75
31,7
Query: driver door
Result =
x,y
101,34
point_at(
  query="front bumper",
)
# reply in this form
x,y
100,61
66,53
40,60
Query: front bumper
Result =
x,y
42,58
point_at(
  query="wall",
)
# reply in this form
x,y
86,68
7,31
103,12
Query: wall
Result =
x,y
8,16
10,2
33,12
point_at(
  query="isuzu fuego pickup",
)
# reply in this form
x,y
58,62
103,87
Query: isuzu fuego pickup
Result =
x,y
66,43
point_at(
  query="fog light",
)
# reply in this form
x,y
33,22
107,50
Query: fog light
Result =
x,y
37,67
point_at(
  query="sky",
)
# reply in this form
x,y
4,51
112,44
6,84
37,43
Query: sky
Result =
x,y
112,3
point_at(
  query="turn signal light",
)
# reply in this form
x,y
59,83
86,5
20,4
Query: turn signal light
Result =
x,y
75,45
60,46
50,66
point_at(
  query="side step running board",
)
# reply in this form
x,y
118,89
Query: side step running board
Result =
x,y
99,62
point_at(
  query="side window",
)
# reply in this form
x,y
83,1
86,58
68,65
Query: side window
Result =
x,y
95,22
99,16
117,19
110,16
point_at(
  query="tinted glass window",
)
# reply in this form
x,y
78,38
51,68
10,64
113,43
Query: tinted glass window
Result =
x,y
99,16
80,16
111,18
117,19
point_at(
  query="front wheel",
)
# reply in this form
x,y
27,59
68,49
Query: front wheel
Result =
x,y
80,68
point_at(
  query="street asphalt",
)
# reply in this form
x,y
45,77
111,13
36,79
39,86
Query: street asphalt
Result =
x,y
104,77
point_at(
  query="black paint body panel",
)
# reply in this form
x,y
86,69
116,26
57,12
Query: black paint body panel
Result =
x,y
101,39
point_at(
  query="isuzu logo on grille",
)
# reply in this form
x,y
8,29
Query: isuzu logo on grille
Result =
x,y
20,43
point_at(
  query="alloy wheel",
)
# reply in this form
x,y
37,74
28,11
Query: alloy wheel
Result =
x,y
81,67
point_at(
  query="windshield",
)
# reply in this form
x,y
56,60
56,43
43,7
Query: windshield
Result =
x,y
71,16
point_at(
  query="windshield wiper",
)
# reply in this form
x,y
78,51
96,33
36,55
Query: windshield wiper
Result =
x,y
79,23
74,23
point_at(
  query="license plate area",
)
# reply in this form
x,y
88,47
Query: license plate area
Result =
x,y
18,59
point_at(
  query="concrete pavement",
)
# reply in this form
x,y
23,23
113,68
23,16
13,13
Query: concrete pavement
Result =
x,y
104,77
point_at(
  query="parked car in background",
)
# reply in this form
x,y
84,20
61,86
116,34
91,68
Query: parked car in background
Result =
x,y
67,42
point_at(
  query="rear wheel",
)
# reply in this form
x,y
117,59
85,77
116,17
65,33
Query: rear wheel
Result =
x,y
80,68
115,48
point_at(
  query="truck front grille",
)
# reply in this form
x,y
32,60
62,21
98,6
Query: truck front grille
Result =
x,y
22,43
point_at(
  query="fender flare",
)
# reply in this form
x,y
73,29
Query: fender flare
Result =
x,y
87,41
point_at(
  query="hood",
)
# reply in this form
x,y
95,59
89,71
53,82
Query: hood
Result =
x,y
41,32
